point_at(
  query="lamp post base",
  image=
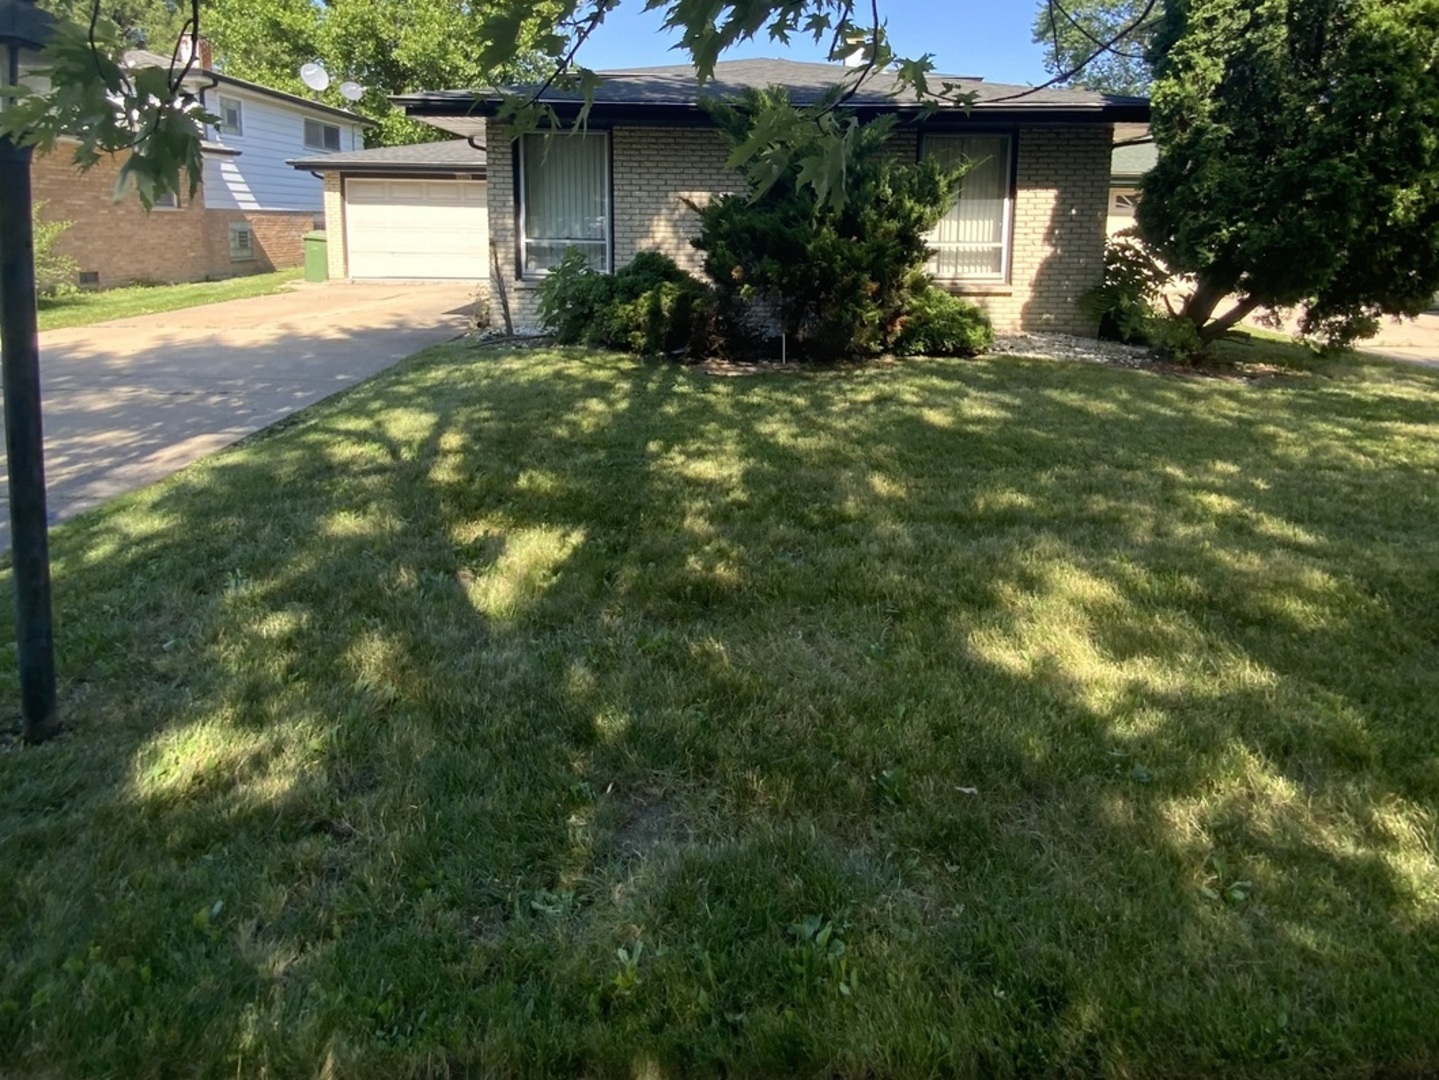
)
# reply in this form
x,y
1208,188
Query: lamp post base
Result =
x,y
25,448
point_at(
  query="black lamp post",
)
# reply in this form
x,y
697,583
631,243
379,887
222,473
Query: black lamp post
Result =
x,y
24,29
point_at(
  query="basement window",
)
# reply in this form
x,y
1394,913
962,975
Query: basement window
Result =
x,y
242,242
89,279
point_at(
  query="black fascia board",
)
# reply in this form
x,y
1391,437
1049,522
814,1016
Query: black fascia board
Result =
x,y
610,114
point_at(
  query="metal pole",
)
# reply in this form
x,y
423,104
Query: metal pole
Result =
x,y
24,444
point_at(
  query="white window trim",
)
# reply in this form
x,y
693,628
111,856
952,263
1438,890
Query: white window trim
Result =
x,y
1116,207
169,207
522,240
1007,254
221,128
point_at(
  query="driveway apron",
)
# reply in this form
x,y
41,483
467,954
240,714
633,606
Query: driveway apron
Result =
x,y
127,403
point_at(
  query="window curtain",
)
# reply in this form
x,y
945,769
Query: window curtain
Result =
x,y
970,239
564,199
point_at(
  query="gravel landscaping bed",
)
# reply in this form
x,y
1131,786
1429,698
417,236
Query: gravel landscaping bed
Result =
x,y
1069,347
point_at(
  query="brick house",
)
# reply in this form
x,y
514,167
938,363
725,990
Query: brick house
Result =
x,y
1025,239
252,209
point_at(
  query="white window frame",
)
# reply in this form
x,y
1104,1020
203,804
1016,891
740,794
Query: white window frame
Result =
x,y
222,127
245,252
166,201
1124,202
1007,237
323,127
522,240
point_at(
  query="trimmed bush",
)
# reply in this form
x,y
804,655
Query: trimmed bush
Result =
x,y
837,277
938,324
649,307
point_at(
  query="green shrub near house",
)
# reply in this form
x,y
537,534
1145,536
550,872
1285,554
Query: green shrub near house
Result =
x,y
940,324
838,282
649,307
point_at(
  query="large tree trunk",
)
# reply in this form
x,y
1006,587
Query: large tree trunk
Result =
x,y
1217,328
1199,308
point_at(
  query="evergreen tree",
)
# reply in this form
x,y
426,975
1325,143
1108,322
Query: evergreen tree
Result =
x,y
1299,159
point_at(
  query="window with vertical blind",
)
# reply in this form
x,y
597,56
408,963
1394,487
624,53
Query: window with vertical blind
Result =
x,y
564,199
972,240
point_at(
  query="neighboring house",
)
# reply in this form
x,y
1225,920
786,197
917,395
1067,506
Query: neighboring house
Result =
x,y
1026,238
250,214
1128,166
412,213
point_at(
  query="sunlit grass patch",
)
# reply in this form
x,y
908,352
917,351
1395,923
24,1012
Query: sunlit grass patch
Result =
x,y
562,714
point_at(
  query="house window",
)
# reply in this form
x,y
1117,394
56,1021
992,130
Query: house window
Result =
x,y
320,136
564,200
167,200
972,240
1122,203
232,120
242,242
89,279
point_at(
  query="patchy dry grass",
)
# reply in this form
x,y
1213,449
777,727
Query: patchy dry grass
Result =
x,y
555,714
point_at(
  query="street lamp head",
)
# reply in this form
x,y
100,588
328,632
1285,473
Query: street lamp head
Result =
x,y
22,23
24,31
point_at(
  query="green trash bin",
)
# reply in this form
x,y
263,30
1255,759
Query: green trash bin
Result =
x,y
317,265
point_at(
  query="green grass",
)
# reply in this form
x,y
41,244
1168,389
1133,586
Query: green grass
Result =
x,y
558,714
87,308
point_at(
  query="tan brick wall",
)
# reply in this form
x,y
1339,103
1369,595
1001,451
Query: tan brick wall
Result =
x,y
124,244
655,170
1061,200
1061,203
335,227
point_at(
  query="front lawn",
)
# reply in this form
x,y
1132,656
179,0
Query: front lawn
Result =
x,y
88,308
559,714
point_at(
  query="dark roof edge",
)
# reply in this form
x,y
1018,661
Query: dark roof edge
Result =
x,y
388,168
421,106
284,95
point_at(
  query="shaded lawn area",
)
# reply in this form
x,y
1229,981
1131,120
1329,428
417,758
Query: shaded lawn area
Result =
x,y
555,713
87,308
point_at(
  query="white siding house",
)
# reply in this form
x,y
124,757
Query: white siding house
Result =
x,y
266,129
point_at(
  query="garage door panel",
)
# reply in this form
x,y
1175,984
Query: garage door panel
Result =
x,y
417,229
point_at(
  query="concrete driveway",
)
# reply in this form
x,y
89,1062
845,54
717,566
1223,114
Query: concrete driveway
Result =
x,y
129,402
1416,340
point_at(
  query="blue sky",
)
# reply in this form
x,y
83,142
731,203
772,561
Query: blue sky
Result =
x,y
967,37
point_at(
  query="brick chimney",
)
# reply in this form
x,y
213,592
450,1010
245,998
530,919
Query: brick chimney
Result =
x,y
198,46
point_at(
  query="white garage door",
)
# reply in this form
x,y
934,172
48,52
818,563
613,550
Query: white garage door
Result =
x,y
417,230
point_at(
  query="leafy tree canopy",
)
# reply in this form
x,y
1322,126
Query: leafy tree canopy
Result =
x,y
151,24
1071,32
388,46
1299,159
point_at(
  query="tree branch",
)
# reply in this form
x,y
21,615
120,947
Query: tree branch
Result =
x,y
1105,46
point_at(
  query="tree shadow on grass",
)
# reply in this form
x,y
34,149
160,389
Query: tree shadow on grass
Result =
x,y
391,727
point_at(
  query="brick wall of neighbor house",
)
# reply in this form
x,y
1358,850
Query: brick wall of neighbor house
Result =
x,y
278,240
119,241
1061,201
124,244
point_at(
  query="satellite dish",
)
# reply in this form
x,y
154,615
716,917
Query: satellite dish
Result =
x,y
350,90
314,76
